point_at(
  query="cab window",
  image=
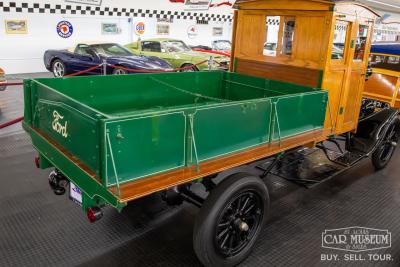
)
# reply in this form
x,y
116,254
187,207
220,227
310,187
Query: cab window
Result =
x,y
151,46
361,43
339,40
279,36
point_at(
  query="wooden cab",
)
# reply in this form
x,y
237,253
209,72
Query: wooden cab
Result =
x,y
384,83
309,42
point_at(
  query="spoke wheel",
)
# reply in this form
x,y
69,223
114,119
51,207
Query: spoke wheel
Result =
x,y
230,220
383,154
58,68
238,223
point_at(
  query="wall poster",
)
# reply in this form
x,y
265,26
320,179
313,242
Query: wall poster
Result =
x,y
16,26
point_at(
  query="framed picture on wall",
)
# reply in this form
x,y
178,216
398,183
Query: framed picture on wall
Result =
x,y
109,28
217,31
16,26
197,4
162,29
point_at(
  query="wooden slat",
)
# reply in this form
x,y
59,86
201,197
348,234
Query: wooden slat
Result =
x,y
142,187
286,73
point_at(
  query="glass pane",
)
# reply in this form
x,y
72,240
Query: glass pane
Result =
x,y
393,60
271,42
361,42
339,39
288,36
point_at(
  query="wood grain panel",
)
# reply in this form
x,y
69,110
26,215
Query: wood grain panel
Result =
x,y
285,4
310,41
303,76
334,82
142,187
251,43
353,98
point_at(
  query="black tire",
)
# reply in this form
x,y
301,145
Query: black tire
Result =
x,y
117,71
187,69
382,155
208,241
58,68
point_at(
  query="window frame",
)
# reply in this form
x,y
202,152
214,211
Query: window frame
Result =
x,y
280,40
347,43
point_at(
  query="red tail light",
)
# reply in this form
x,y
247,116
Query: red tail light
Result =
x,y
37,162
94,214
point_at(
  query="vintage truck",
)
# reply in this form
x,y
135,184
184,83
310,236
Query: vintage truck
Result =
x,y
114,139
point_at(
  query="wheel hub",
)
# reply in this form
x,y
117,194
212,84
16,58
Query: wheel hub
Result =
x,y
241,225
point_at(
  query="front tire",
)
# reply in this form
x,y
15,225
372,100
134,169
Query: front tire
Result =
x,y
382,155
230,220
58,68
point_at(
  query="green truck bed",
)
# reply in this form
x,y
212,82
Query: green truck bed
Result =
x,y
129,127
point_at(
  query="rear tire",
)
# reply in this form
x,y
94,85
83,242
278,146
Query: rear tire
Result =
x,y
382,155
230,220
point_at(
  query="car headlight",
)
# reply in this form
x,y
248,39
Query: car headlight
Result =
x,y
2,80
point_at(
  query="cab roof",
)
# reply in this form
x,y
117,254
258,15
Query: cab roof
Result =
x,y
292,6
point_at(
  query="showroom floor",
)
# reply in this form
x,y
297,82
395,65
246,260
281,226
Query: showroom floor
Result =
x,y
38,228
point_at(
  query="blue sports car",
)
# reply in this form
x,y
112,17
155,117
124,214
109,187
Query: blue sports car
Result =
x,y
85,56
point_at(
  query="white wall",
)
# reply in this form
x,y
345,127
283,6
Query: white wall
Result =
x,y
22,53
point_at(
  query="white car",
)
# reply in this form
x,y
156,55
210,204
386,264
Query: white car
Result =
x,y
2,80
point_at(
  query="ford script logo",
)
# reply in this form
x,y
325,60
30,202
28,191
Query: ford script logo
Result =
x,y
356,239
59,126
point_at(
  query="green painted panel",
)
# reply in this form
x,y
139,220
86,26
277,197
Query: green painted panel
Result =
x,y
71,129
93,191
145,145
299,113
231,127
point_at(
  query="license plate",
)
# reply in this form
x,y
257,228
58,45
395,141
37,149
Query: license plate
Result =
x,y
75,194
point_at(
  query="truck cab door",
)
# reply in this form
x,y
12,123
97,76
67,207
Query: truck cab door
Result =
x,y
351,99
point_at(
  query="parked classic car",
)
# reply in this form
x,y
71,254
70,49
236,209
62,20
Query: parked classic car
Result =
x,y
219,47
178,54
84,56
2,80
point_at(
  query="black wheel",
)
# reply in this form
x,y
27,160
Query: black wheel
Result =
x,y
230,220
188,68
58,68
117,71
382,155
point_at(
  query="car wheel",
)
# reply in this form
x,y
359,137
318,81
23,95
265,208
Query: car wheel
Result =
x,y
188,68
117,71
230,220
382,155
58,68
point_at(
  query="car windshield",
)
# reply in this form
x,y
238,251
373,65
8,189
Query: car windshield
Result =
x,y
175,46
222,45
110,50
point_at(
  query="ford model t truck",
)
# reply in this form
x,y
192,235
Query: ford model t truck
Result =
x,y
113,139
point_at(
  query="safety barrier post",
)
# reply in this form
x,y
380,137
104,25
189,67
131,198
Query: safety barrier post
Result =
x,y
104,67
210,62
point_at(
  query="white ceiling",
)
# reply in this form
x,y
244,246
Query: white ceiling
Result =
x,y
384,5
